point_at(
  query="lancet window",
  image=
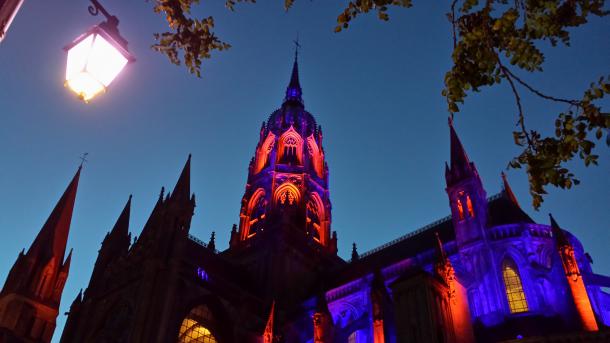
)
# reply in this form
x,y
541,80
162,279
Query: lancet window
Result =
x,y
460,209
313,220
514,288
469,206
290,153
257,216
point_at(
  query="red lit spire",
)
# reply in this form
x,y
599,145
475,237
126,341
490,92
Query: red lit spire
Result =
x,y
53,237
460,166
508,191
459,157
268,334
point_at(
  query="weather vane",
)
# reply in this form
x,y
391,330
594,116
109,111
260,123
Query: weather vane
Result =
x,y
83,158
297,46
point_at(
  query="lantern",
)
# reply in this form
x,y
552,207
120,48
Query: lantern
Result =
x,y
96,57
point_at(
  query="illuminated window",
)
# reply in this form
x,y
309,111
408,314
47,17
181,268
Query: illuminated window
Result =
x,y
289,155
257,216
313,220
287,197
460,209
193,330
514,288
469,206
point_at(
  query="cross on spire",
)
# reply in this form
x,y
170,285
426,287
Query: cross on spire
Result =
x,y
83,158
297,46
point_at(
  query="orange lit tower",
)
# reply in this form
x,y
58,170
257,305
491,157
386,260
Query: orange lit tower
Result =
x,y
284,233
29,301
575,281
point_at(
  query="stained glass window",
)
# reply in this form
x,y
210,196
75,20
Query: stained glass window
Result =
x,y
193,330
460,209
469,205
514,289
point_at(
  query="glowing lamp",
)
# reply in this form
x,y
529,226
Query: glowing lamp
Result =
x,y
96,57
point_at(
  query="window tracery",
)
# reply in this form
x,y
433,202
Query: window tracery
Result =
x,y
514,288
313,220
257,216
289,155
193,329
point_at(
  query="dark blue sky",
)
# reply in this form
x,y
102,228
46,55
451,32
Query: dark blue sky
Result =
x,y
375,90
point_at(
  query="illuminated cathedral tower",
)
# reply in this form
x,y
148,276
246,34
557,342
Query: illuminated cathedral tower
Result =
x,y
285,214
30,298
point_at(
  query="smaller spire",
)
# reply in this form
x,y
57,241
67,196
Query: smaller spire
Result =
x,y
268,334
440,251
212,242
508,191
355,255
121,227
459,158
560,237
182,190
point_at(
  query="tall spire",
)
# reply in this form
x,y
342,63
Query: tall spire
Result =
x,y
508,191
294,92
53,237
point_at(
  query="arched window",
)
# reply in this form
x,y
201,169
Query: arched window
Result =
x,y
313,220
460,209
469,206
287,195
257,216
289,155
193,328
514,289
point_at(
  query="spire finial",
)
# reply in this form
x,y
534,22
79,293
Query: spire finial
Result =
x,y
508,191
83,159
355,255
212,242
294,92
297,46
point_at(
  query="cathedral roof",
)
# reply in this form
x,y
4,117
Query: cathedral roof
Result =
x,y
501,211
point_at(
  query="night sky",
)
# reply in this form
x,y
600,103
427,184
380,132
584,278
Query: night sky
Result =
x,y
375,89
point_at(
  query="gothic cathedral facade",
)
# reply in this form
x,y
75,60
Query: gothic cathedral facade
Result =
x,y
485,273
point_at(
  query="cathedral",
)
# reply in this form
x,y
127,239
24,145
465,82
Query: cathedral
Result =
x,y
485,273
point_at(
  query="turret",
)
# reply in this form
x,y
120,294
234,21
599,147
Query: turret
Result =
x,y
114,246
574,278
467,197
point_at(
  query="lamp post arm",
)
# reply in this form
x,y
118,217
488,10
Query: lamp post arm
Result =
x,y
96,8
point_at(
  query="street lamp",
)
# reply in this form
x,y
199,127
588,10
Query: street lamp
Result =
x,y
96,57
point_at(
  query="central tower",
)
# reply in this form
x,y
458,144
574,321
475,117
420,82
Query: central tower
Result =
x,y
285,215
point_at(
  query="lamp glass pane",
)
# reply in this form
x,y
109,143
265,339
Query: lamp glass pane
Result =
x,y
77,57
105,61
85,85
